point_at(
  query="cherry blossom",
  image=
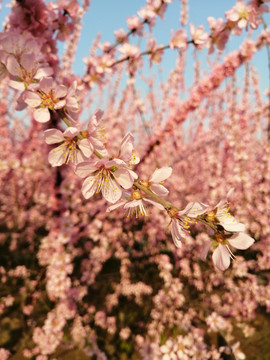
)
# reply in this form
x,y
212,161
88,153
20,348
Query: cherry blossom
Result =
x,y
199,37
133,203
178,40
72,149
106,176
221,215
222,254
180,220
156,180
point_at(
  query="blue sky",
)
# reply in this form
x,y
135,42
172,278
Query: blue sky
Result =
x,y
105,16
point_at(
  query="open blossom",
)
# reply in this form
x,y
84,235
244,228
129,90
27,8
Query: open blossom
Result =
x,y
27,71
46,97
135,25
156,52
155,181
133,203
219,33
199,36
241,15
71,149
106,176
95,133
180,220
179,39
126,157
222,254
131,51
220,215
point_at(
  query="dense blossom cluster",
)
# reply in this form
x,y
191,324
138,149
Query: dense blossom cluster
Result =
x,y
106,271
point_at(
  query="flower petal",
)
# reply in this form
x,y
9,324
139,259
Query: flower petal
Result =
x,y
32,99
177,233
71,132
205,250
111,191
197,209
153,202
221,257
53,136
85,147
241,241
89,186
115,206
56,156
161,174
230,224
124,178
159,190
42,115
85,168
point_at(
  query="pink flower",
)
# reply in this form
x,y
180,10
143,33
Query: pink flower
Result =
x,y
156,52
219,33
222,254
135,25
131,51
133,202
239,14
4,354
221,215
181,219
154,183
179,39
120,35
45,98
71,149
94,133
126,157
198,35
106,176
72,106
26,71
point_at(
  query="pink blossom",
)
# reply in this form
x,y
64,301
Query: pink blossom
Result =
x,y
222,254
72,106
239,14
199,37
248,49
95,133
4,354
71,149
221,215
120,35
156,180
126,157
133,202
180,220
178,40
27,71
134,24
46,97
106,176
219,33
156,52
131,51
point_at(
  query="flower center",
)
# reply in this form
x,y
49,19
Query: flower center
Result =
x,y
48,99
136,195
